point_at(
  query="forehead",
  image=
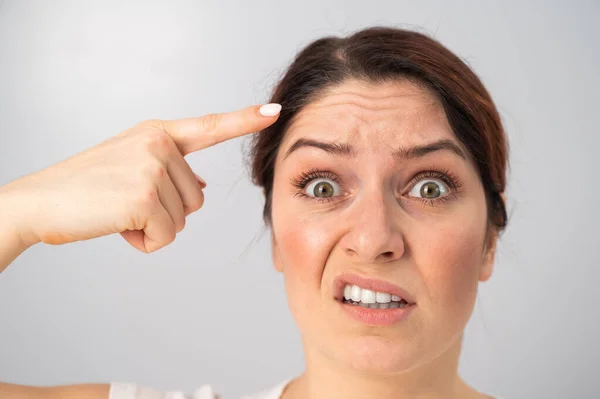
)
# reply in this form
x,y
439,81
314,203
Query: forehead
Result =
x,y
372,115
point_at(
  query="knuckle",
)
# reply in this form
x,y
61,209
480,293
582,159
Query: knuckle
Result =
x,y
147,200
154,171
146,128
157,141
159,171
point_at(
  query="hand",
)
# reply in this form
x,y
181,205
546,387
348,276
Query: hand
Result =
x,y
137,183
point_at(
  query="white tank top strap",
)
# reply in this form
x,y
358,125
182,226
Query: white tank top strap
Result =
x,y
123,390
120,390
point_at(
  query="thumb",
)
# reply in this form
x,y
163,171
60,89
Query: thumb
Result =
x,y
193,134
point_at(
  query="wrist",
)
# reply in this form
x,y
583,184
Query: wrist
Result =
x,y
12,221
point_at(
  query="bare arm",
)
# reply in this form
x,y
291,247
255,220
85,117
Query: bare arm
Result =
x,y
12,242
137,184
13,245
86,391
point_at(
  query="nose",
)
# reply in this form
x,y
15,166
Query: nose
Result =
x,y
374,235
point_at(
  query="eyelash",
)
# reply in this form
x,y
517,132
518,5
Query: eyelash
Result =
x,y
453,183
302,181
450,179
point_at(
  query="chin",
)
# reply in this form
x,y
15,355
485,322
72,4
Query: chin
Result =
x,y
379,355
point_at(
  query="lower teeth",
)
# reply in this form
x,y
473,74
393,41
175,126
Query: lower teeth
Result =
x,y
388,305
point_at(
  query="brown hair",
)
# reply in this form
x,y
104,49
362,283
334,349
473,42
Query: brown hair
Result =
x,y
378,55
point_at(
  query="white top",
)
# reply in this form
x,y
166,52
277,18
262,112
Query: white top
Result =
x,y
120,390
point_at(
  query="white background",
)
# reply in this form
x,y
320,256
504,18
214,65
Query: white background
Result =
x,y
210,308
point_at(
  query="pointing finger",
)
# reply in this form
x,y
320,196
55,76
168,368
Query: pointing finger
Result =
x,y
193,134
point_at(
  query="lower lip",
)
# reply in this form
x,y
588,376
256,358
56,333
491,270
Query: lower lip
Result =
x,y
377,317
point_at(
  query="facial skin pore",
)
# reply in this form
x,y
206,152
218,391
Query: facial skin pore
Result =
x,y
372,148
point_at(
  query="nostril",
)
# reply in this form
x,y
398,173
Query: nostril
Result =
x,y
388,254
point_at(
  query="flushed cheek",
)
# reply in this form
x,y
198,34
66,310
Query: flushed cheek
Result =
x,y
450,261
302,251
303,247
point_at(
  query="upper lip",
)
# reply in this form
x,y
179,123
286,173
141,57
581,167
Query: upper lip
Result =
x,y
370,284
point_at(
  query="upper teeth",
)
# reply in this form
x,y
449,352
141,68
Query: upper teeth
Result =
x,y
363,295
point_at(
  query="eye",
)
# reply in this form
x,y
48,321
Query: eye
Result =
x,y
322,188
429,189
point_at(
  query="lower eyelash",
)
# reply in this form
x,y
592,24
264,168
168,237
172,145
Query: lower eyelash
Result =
x,y
437,201
308,197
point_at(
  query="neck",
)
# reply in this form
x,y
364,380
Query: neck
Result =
x,y
327,379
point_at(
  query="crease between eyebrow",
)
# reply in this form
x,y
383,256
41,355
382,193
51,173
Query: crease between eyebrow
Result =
x,y
346,150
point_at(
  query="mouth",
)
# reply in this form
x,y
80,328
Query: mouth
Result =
x,y
362,291
373,301
390,304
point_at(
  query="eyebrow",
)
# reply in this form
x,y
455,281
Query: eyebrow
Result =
x,y
332,148
422,150
343,149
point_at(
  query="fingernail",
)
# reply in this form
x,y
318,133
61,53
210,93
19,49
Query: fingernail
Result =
x,y
201,180
270,109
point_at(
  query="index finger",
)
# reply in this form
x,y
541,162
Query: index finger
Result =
x,y
193,134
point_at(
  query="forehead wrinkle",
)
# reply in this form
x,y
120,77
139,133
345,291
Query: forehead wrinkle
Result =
x,y
359,103
420,123
388,96
352,111
414,118
407,107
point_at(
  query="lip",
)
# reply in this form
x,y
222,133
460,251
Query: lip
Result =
x,y
373,285
377,317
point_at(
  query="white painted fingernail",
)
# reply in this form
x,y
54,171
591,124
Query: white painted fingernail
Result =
x,y
270,109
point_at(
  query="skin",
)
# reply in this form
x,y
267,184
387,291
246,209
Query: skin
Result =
x,y
136,184
376,225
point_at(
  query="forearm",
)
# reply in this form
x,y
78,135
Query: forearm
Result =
x,y
87,391
12,242
11,245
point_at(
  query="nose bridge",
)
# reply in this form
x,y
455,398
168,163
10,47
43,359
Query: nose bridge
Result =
x,y
374,234
373,211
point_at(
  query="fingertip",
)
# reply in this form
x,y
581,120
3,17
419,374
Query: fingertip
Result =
x,y
270,110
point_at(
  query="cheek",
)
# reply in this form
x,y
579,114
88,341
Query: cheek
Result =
x,y
302,247
449,262
302,252
299,244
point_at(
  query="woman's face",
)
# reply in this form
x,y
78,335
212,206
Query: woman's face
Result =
x,y
373,189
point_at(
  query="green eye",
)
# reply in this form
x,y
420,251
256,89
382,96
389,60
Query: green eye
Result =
x,y
429,189
323,188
